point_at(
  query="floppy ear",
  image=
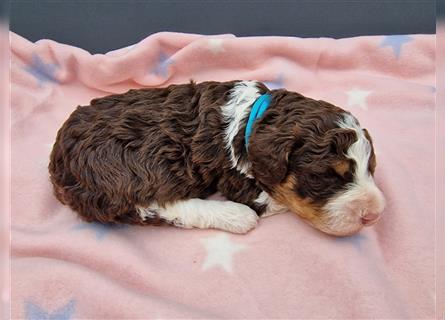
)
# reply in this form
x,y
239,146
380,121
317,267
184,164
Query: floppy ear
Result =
x,y
268,152
372,159
367,135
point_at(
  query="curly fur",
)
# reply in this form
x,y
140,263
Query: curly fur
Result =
x,y
163,145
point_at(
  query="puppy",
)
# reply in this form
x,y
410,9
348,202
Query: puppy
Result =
x,y
152,156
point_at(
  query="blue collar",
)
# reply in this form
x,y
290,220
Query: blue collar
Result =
x,y
259,107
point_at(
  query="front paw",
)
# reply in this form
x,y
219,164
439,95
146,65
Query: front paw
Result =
x,y
237,218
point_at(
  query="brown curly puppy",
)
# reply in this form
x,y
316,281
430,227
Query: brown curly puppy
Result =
x,y
153,155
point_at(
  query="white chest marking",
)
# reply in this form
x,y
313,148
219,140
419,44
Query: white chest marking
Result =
x,y
235,113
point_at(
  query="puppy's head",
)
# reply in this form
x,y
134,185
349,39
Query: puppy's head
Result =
x,y
315,159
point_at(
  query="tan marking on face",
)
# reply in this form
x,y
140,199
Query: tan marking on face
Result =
x,y
341,167
286,195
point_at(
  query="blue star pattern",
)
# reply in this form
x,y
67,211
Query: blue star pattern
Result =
x,y
43,72
35,312
100,229
161,68
278,83
396,43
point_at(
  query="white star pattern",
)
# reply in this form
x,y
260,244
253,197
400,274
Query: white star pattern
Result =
x,y
220,250
357,98
215,45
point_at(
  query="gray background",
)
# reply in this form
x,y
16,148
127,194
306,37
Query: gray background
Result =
x,y
101,26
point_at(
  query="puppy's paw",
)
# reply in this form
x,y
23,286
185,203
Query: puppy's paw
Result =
x,y
181,224
236,218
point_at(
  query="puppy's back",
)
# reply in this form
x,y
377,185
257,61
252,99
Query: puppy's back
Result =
x,y
129,149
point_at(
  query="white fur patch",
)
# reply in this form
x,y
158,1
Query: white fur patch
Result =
x,y
362,196
360,151
235,112
273,207
198,213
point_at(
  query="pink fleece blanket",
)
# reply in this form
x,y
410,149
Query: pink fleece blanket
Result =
x,y
63,268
